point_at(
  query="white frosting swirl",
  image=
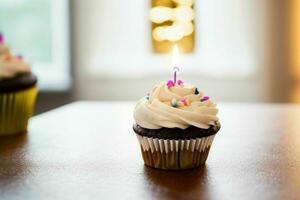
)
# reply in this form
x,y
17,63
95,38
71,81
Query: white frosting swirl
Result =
x,y
158,112
11,66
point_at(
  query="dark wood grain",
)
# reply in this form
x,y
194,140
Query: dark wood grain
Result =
x,y
89,151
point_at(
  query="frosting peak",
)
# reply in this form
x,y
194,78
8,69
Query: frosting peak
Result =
x,y
10,65
175,106
3,49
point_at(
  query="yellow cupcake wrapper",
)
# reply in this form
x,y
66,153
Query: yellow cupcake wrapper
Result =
x,y
15,110
175,154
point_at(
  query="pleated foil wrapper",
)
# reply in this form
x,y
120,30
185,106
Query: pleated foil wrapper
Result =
x,y
175,154
15,110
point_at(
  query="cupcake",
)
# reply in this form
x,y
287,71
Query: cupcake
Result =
x,y
18,92
175,125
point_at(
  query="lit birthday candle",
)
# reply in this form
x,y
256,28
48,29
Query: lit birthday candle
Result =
x,y
176,69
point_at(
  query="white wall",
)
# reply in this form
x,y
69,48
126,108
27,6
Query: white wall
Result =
x,y
103,40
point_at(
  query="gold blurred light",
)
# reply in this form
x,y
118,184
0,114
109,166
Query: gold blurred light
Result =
x,y
161,14
184,2
172,22
183,14
158,33
186,28
173,33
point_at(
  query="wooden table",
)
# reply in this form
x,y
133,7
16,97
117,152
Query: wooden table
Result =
x,y
87,150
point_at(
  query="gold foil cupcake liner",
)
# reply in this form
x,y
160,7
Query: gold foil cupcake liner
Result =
x,y
15,110
175,154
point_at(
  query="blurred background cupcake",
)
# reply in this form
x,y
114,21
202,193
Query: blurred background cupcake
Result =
x,y
18,92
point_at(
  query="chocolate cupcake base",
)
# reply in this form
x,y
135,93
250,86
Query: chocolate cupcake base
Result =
x,y
175,154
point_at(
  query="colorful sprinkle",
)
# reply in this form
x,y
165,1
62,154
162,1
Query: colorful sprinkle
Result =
x,y
147,97
170,84
19,57
174,102
185,101
205,98
196,91
180,82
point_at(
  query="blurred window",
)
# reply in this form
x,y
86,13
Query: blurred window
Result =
x,y
38,29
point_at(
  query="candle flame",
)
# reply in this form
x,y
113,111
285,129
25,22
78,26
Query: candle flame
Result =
x,y
175,56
